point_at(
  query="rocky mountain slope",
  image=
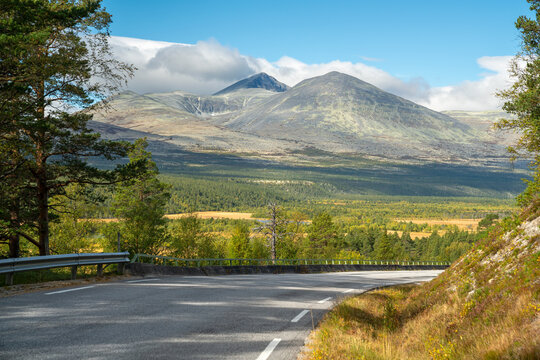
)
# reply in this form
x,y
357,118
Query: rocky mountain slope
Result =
x,y
483,122
334,112
166,117
257,81
340,113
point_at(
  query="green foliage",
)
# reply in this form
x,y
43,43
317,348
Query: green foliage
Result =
x,y
322,237
488,221
239,245
140,205
69,234
52,53
383,249
523,98
188,240
259,250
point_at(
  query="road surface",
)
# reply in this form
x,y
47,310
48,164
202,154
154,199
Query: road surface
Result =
x,y
255,317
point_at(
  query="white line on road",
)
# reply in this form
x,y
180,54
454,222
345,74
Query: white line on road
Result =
x,y
325,300
268,351
68,290
348,291
136,281
299,316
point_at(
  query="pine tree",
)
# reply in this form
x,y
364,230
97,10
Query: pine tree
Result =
x,y
523,99
322,236
52,52
140,205
239,244
383,248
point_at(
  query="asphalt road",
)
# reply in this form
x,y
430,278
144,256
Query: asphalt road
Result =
x,y
180,317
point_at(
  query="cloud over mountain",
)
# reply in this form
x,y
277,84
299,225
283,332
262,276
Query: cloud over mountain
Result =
x,y
209,66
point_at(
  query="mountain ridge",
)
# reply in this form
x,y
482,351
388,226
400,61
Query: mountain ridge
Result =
x,y
339,113
335,112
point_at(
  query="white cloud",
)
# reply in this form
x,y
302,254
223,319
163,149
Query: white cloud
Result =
x,y
208,66
474,95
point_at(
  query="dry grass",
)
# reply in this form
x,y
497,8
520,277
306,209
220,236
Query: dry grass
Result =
x,y
394,324
462,224
199,214
486,306
416,234
99,220
214,215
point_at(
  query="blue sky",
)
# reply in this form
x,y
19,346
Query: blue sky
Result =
x,y
436,42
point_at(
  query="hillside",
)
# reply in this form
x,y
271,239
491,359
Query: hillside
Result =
x,y
335,113
340,113
485,306
173,118
483,122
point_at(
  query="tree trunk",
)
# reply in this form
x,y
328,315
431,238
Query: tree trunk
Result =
x,y
14,248
41,176
43,217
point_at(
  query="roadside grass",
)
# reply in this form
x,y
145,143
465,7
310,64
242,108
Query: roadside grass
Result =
x,y
398,323
485,306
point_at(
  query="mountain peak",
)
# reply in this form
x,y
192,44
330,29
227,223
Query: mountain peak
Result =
x,y
338,79
260,80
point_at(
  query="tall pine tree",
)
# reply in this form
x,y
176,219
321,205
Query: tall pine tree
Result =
x,y
54,59
523,99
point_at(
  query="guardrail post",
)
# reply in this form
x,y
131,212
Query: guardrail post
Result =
x,y
120,268
73,272
99,269
9,279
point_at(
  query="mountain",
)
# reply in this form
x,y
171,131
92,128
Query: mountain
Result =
x,y
257,81
208,106
483,121
165,115
340,113
333,113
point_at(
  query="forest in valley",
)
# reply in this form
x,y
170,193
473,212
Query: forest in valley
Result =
x,y
94,218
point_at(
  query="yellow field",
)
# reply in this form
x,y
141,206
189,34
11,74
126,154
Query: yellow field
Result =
x,y
99,220
415,234
200,214
462,224
214,215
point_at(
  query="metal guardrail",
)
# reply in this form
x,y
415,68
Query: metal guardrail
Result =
x,y
13,265
168,260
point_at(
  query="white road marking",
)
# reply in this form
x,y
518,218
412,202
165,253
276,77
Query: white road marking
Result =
x,y
136,281
68,290
299,316
268,351
325,300
348,291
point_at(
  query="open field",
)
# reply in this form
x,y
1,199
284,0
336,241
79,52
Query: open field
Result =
x,y
462,224
416,234
200,214
214,215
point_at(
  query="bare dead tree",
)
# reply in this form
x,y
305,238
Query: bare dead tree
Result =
x,y
273,229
